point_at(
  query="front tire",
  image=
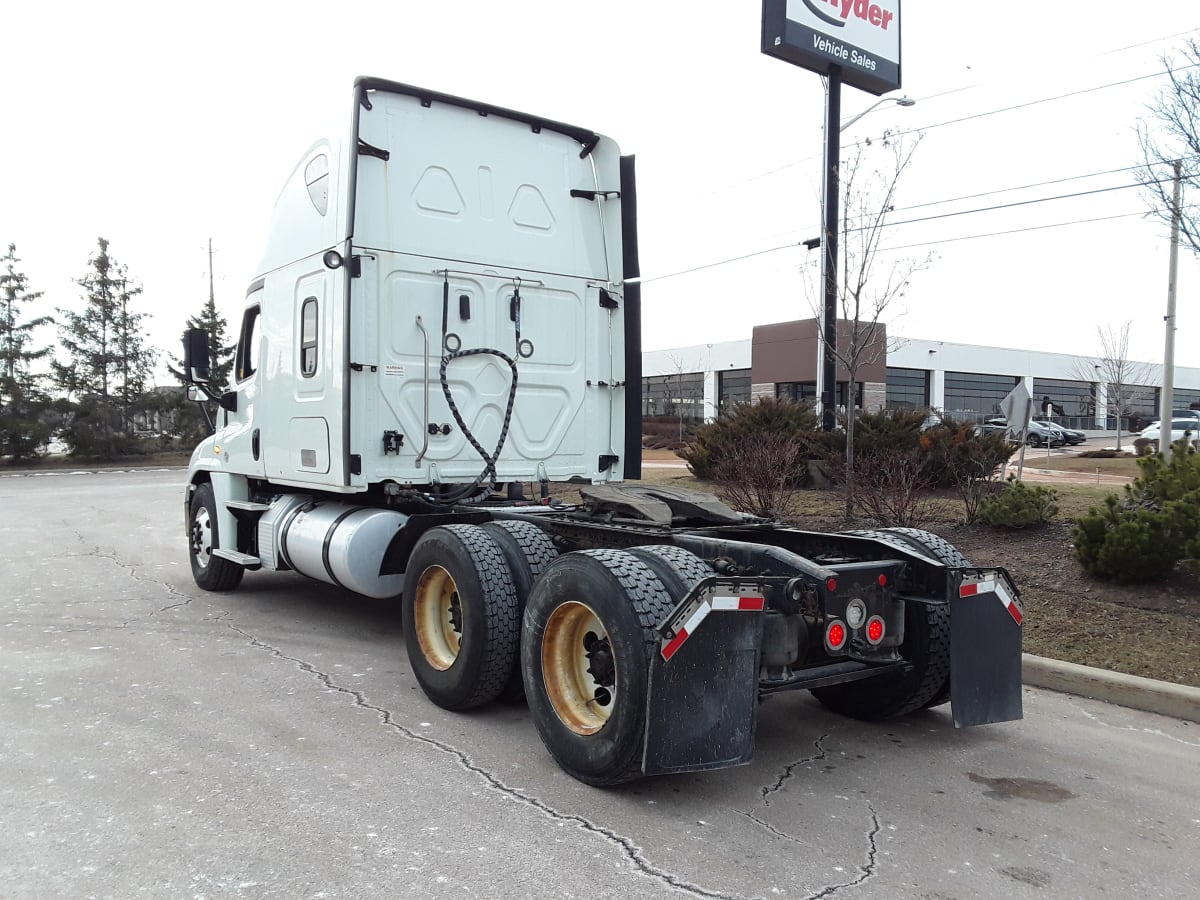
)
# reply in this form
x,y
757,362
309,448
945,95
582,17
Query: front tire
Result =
x,y
212,573
460,616
589,635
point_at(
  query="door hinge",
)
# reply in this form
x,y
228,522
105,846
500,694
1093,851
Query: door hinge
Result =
x,y
358,367
355,464
607,461
592,195
365,149
607,300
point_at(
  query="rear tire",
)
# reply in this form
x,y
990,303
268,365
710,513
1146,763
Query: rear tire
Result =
x,y
946,553
926,647
212,573
679,570
460,616
528,551
589,635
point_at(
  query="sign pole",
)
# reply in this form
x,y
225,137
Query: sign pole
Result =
x,y
829,244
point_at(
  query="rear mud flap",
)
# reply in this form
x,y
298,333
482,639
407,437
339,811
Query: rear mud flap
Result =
x,y
985,649
702,706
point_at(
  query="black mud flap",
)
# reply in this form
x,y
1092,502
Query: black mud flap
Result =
x,y
985,649
703,693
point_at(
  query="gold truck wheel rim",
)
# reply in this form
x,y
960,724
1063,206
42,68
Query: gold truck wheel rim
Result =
x,y
438,617
577,666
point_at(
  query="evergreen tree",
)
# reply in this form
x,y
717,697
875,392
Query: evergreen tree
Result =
x,y
220,354
23,402
108,364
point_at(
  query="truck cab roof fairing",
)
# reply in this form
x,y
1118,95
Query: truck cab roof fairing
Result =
x,y
586,137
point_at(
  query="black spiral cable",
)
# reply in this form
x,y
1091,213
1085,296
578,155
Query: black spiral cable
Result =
x,y
489,471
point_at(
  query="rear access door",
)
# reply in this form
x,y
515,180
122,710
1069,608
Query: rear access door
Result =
x,y
487,334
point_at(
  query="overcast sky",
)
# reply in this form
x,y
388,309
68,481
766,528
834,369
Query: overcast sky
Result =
x,y
159,126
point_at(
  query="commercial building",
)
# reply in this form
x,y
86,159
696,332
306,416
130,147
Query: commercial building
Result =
x,y
966,381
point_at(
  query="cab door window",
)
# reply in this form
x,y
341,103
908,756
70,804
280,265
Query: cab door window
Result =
x,y
308,338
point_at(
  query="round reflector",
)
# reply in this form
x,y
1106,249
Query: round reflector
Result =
x,y
882,581
874,629
835,635
831,584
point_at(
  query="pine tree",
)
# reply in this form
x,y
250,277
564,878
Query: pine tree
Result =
x,y
220,354
109,363
23,402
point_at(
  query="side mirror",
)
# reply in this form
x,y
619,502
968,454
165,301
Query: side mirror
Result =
x,y
195,355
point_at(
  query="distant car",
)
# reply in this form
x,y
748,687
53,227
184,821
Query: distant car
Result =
x,y
1179,428
1070,435
1039,435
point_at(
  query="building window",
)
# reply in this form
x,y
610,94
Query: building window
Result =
x,y
797,391
680,396
969,395
733,389
806,392
907,389
308,338
1070,399
1183,398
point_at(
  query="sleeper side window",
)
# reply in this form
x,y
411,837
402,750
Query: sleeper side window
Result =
x,y
308,338
247,352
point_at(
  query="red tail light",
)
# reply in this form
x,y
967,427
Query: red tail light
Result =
x,y
835,635
875,629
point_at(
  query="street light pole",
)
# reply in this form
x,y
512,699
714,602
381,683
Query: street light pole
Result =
x,y
831,185
829,235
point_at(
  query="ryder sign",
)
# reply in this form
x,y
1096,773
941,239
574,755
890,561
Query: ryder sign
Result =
x,y
862,37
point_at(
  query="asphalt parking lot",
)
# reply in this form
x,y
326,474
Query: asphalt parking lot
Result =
x,y
159,741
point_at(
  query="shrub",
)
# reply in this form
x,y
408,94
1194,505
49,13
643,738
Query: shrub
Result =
x,y
1019,506
970,462
894,486
1142,535
1104,454
753,474
708,443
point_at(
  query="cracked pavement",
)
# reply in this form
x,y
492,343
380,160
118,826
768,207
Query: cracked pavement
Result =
x,y
162,741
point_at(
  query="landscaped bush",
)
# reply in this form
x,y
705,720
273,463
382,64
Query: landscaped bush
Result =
x,y
753,474
1104,454
1019,506
1142,535
707,443
893,486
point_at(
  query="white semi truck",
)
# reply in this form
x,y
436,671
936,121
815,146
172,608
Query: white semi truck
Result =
x,y
445,315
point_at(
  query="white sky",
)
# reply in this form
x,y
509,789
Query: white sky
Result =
x,y
159,126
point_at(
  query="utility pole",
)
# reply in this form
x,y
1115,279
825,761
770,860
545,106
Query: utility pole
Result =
x,y
829,242
1167,398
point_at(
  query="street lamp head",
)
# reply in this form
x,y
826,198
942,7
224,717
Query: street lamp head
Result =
x,y
905,101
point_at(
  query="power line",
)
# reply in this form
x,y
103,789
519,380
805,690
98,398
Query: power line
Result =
x,y
971,237
922,128
964,212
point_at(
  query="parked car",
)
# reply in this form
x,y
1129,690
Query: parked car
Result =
x,y
1070,435
1179,427
1039,435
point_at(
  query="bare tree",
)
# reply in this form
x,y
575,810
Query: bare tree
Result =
x,y
682,393
1171,134
869,288
1125,381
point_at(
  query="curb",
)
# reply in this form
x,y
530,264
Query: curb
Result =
x,y
1179,701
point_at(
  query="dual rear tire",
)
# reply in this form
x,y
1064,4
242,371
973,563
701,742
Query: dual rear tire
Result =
x,y
484,605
